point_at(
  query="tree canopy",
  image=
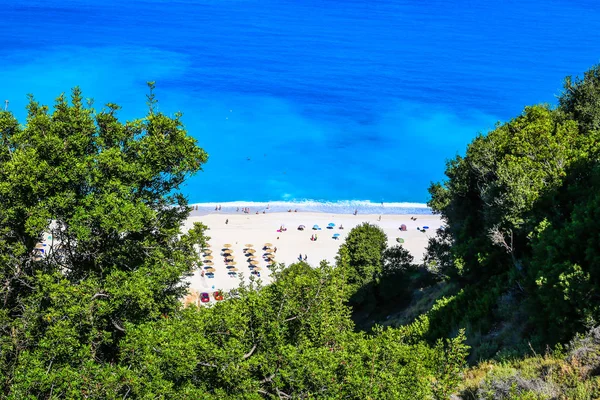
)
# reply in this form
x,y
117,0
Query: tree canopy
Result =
x,y
519,210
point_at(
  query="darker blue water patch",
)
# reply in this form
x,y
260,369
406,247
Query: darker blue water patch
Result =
x,y
306,99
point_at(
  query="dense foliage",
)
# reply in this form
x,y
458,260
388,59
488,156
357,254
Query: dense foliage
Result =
x,y
99,314
520,210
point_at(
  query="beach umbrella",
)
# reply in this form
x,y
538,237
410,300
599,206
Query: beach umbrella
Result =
x,y
207,245
207,251
301,227
331,225
249,245
250,251
425,227
336,235
269,251
233,270
229,258
232,273
208,262
316,227
208,257
257,269
210,270
268,244
399,240
254,262
227,245
231,263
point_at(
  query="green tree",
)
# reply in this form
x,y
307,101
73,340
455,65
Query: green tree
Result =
x,y
104,195
580,100
519,208
364,248
490,200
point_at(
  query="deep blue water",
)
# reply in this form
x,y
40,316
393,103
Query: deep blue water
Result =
x,y
306,99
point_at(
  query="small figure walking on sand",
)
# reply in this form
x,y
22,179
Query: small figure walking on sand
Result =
x,y
355,211
275,249
219,207
379,218
226,221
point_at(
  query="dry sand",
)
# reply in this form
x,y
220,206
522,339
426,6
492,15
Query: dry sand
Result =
x,y
259,229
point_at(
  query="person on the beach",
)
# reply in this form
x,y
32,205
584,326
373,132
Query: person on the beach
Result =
x,y
202,274
341,226
237,210
226,221
312,238
275,250
305,257
219,207
300,257
379,218
216,208
355,211
296,210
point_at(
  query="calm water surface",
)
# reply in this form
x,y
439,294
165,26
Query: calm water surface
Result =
x,y
327,100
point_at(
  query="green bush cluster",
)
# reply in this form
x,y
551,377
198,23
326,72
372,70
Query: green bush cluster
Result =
x,y
520,210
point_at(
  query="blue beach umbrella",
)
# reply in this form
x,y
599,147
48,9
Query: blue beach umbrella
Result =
x,y
425,227
336,235
331,225
316,227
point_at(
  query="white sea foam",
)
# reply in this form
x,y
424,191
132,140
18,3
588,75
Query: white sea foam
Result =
x,y
335,207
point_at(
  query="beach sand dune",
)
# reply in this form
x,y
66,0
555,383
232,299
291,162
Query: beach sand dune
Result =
x,y
260,229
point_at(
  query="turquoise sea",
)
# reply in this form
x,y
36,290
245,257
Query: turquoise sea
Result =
x,y
317,102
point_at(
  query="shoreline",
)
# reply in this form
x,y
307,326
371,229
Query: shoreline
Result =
x,y
238,230
361,207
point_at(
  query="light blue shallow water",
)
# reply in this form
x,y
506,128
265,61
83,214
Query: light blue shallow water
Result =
x,y
329,100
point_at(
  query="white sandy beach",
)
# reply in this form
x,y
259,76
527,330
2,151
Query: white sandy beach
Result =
x,y
259,229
